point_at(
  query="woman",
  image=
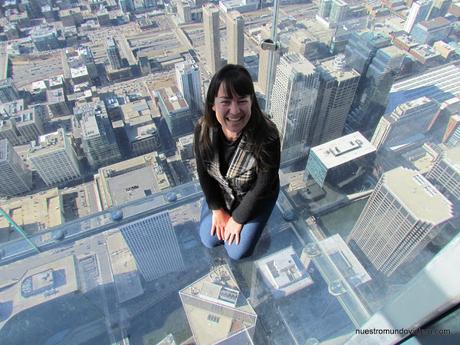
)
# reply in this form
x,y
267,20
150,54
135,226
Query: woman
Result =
x,y
237,151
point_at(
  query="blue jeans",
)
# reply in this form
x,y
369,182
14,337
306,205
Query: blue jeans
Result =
x,y
250,233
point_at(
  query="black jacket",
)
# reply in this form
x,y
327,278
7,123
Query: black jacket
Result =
x,y
245,186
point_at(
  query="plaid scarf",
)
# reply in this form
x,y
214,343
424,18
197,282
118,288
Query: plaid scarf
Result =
x,y
241,173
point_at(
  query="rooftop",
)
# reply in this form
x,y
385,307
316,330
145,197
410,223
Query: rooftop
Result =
x,y
35,213
440,84
48,143
344,149
336,69
129,180
418,195
172,98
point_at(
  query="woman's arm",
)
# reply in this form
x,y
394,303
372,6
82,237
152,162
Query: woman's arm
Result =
x,y
265,182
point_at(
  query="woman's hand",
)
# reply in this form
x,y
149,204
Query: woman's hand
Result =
x,y
219,220
232,231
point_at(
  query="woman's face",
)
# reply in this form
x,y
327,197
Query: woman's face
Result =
x,y
232,112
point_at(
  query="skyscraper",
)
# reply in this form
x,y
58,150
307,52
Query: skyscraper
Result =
x,y
189,84
154,245
8,91
407,123
439,84
14,177
401,216
263,74
337,89
212,37
175,111
446,173
235,38
439,8
339,10
98,138
54,158
113,54
293,101
362,47
419,11
325,8
126,6
375,88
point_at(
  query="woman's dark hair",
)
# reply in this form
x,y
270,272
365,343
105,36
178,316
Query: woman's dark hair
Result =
x,y
259,130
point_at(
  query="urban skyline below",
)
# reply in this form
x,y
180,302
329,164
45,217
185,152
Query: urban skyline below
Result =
x,y
99,194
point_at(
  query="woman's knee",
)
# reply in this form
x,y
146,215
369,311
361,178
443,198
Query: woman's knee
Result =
x,y
237,253
208,240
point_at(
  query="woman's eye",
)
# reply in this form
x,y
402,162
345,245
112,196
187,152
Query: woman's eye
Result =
x,y
243,102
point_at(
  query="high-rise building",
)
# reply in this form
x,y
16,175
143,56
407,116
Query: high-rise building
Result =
x,y
175,111
446,173
439,84
24,126
14,177
54,158
406,124
375,88
401,216
235,38
98,138
263,74
184,11
212,37
8,91
126,6
45,37
325,8
439,8
337,89
113,54
362,47
452,134
217,311
430,31
154,245
339,160
419,11
189,84
29,123
292,103
338,13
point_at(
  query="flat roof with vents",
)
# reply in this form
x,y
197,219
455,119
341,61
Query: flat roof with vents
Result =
x,y
344,149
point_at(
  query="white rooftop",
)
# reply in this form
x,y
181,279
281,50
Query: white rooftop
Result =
x,y
342,150
418,195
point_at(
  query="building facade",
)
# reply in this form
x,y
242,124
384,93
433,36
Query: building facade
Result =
x,y
337,89
189,84
407,123
175,111
339,160
15,178
113,54
212,37
292,103
54,158
235,38
402,215
154,245
446,173
8,91
98,138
